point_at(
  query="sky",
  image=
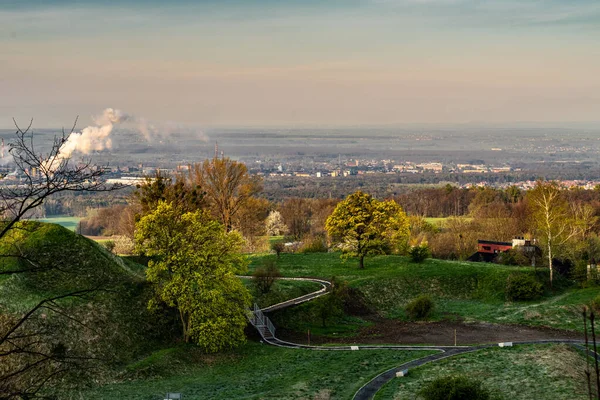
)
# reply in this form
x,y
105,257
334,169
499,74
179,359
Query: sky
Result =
x,y
301,62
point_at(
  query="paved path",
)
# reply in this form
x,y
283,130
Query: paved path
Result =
x,y
368,390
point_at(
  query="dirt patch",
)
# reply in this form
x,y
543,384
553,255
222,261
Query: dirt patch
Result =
x,y
440,333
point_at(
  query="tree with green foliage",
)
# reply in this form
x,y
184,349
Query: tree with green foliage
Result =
x,y
176,191
362,226
193,268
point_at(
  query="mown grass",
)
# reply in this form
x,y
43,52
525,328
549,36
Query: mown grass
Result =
x,y
541,372
465,290
253,371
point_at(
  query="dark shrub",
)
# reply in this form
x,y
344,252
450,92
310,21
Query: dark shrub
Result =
x,y
595,304
278,248
356,303
418,254
333,304
513,257
265,276
420,308
454,388
521,286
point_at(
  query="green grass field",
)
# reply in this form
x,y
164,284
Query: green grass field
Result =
x,y
254,371
68,222
471,291
541,372
441,221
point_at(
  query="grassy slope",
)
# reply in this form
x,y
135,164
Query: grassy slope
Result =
x,y
473,291
553,372
82,264
281,291
254,371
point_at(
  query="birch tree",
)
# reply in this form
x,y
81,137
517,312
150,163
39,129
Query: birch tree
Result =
x,y
553,220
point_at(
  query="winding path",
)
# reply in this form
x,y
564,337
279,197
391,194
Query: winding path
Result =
x,y
369,389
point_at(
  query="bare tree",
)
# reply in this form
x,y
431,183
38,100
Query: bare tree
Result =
x,y
553,219
28,360
228,187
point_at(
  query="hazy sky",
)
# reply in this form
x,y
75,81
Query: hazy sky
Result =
x,y
301,62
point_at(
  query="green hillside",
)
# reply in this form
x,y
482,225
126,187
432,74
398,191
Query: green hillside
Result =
x,y
466,290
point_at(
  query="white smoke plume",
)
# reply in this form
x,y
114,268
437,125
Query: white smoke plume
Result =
x,y
98,137
92,138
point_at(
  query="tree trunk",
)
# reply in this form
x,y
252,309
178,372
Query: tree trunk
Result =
x,y
550,263
361,261
186,338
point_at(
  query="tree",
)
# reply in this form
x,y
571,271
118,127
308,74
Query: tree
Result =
x,y
362,225
176,191
193,270
554,223
296,213
334,303
274,224
29,360
228,187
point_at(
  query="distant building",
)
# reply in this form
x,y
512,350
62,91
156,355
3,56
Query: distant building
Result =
x,y
433,166
489,250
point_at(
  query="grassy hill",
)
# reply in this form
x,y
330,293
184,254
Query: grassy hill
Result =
x,y
518,373
149,362
465,290
64,261
254,371
108,323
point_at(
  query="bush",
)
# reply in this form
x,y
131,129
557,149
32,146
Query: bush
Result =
x,y
514,257
278,248
595,304
109,245
523,287
454,388
314,244
443,246
123,245
265,276
333,304
420,308
418,254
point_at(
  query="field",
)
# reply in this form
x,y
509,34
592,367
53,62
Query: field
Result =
x,y
441,221
255,371
68,222
468,297
519,373
464,291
